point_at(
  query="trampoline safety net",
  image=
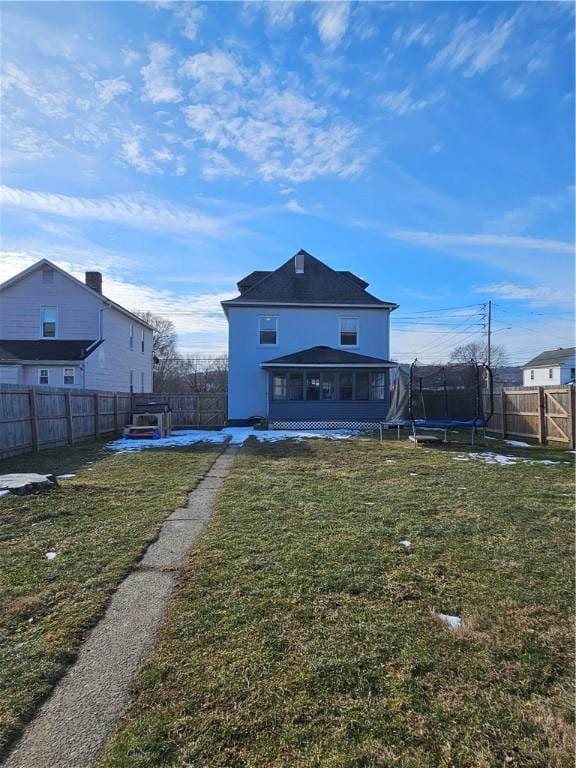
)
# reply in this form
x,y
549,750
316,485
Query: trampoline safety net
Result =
x,y
442,396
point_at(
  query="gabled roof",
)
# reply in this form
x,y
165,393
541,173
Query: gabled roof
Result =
x,y
317,285
327,356
44,350
47,263
551,357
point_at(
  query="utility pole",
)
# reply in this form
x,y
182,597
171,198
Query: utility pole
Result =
x,y
489,334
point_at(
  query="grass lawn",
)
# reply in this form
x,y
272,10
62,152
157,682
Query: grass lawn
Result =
x,y
98,523
302,633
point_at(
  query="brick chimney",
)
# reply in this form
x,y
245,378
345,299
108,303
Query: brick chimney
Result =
x,y
94,280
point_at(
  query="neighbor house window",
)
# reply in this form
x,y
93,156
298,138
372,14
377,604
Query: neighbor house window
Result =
x,y
142,381
49,322
312,386
531,375
295,386
346,386
47,276
131,381
349,331
68,375
131,336
279,386
550,373
377,386
142,342
572,373
268,330
43,376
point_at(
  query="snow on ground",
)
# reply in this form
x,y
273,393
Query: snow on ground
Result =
x,y
454,622
489,457
518,444
236,435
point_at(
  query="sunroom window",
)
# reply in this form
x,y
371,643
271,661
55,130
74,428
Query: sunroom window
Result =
x,y
312,386
279,386
295,386
377,386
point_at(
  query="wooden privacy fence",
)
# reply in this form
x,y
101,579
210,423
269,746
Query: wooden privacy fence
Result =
x,y
34,418
546,414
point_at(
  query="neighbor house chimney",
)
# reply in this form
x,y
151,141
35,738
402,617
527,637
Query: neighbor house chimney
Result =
x,y
299,263
94,280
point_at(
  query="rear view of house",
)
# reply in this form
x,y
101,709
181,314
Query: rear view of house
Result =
x,y
57,331
553,367
308,346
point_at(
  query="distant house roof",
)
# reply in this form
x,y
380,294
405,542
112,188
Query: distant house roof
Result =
x,y
46,350
47,263
312,283
551,357
327,356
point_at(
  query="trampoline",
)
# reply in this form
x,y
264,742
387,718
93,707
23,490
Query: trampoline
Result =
x,y
441,397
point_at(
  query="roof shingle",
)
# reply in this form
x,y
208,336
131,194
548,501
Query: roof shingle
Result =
x,y
551,357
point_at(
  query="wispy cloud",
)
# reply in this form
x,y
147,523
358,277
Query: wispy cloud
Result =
x,y
419,35
332,20
127,211
159,83
109,90
440,240
474,48
541,294
402,102
513,88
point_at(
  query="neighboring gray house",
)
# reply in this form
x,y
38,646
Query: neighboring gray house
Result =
x,y
555,366
57,331
307,345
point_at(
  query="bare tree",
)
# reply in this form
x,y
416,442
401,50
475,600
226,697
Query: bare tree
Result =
x,y
163,348
478,352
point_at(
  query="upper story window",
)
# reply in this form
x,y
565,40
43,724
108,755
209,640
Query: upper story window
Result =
x,y
142,381
131,380
550,373
268,329
349,331
68,375
43,376
47,276
142,342
531,375
49,322
131,336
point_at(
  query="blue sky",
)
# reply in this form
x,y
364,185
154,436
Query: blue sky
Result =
x,y
428,147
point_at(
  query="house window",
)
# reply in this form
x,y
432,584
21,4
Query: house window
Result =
x,y
49,322
142,342
349,331
328,386
279,386
346,388
43,376
572,373
68,375
550,373
531,375
131,336
312,386
47,276
362,386
268,330
131,381
142,381
377,386
295,386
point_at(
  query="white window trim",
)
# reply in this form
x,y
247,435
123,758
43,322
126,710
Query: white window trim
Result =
x,y
272,317
42,308
73,382
349,346
47,376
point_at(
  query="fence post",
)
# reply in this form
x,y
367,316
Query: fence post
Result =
x,y
503,399
115,399
541,415
33,418
96,416
69,424
197,401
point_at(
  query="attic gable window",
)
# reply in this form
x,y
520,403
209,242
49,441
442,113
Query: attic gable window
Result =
x,y
47,276
268,330
349,331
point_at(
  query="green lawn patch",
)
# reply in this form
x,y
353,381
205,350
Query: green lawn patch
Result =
x,y
302,634
99,524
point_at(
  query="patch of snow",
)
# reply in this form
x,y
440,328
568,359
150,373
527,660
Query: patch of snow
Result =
x,y
454,622
489,438
489,457
4,493
64,477
518,444
413,474
236,435
406,543
50,555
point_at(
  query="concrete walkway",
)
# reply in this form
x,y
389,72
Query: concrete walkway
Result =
x,y
74,724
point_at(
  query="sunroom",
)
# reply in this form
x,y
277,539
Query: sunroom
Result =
x,y
326,388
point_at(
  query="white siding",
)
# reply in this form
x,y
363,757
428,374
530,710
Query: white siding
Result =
x,y
10,374
560,375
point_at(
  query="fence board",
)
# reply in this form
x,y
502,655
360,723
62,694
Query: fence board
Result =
x,y
545,414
